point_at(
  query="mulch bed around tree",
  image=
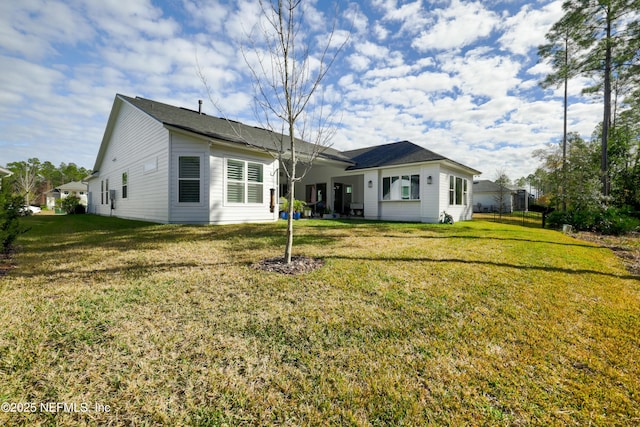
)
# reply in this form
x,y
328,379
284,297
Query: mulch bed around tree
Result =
x,y
298,265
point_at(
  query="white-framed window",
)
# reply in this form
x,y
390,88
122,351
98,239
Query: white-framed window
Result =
x,y
188,179
458,190
245,182
125,184
105,191
401,187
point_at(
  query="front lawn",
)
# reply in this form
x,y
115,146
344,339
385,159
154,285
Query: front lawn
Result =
x,y
127,323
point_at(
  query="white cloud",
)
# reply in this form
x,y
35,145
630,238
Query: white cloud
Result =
x,y
457,26
126,21
208,14
358,62
484,75
380,32
526,30
372,50
33,28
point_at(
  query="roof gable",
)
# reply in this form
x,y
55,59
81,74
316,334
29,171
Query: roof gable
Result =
x,y
73,186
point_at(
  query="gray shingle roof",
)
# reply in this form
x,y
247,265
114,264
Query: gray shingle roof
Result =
x,y
487,186
396,153
222,129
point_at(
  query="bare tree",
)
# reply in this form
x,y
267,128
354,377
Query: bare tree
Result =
x,y
503,195
288,68
26,176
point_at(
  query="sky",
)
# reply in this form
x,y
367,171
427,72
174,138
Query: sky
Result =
x,y
460,78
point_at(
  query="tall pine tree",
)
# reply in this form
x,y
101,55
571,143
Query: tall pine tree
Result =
x,y
605,33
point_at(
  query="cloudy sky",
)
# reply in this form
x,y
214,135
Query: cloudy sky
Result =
x,y
458,77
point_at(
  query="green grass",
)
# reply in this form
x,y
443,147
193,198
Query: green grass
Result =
x,y
479,323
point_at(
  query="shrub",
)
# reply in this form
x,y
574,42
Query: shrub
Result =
x,y
605,220
10,227
616,221
71,205
557,218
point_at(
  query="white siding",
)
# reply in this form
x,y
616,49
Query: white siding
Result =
x,y
430,193
135,142
434,197
400,210
372,195
459,212
188,213
223,212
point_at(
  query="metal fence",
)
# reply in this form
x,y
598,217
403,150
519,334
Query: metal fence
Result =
x,y
523,218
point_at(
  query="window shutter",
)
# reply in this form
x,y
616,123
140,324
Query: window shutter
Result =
x,y
235,170
254,171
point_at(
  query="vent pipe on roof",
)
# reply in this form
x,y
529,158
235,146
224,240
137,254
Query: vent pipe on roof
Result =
x,y
199,106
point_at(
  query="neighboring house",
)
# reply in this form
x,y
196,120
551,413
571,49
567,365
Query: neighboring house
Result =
x,y
489,196
167,164
78,189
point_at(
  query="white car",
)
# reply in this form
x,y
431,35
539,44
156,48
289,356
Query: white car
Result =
x,y
30,210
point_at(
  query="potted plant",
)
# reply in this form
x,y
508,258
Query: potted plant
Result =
x,y
284,208
298,206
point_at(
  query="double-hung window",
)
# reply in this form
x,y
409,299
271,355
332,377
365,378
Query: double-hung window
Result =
x,y
401,187
189,179
245,182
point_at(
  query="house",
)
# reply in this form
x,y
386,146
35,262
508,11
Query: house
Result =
x,y
74,188
489,196
167,164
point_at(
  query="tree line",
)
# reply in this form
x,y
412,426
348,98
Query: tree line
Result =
x,y
597,40
31,179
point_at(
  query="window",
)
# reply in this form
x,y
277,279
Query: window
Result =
x,y
244,182
235,181
254,184
125,182
106,192
102,192
189,179
458,188
404,187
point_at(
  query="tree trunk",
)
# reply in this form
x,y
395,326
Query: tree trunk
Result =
x,y
606,120
292,173
564,133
